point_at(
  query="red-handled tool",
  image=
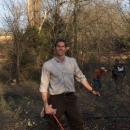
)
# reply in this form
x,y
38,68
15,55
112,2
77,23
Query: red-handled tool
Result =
x,y
58,122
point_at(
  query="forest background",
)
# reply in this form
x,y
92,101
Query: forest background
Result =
x,y
97,32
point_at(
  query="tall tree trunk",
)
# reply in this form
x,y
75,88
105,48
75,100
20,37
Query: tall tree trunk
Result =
x,y
37,18
75,45
17,58
30,11
33,8
17,70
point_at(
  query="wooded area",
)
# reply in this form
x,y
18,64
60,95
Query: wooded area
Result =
x,y
96,31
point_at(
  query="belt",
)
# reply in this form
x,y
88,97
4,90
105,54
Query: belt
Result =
x,y
67,93
64,94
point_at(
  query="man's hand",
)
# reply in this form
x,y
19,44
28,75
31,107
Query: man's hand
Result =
x,y
48,109
86,85
42,114
96,93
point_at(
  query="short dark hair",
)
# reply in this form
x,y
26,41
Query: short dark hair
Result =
x,y
60,40
116,60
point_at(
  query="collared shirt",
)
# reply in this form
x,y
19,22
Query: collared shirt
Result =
x,y
98,73
118,71
58,77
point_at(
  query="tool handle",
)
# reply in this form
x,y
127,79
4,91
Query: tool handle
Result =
x,y
58,122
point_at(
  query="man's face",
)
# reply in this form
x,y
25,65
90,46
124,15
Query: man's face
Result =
x,y
60,49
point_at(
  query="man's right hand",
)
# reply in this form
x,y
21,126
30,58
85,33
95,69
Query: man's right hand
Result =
x,y
48,109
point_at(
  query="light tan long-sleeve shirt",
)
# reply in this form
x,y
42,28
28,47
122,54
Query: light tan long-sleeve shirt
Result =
x,y
58,77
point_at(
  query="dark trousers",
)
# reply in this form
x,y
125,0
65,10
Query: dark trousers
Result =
x,y
119,83
65,105
97,83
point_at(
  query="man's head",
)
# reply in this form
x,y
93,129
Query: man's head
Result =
x,y
60,40
60,47
102,69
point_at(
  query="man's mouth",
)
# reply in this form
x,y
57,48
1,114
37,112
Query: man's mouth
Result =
x,y
60,51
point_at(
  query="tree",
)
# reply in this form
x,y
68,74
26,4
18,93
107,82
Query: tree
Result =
x,y
13,21
91,27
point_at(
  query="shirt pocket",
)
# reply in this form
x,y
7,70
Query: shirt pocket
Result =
x,y
69,74
54,73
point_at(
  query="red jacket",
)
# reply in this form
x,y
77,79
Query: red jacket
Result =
x,y
98,73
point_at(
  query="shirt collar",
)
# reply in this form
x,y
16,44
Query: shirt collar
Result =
x,y
59,60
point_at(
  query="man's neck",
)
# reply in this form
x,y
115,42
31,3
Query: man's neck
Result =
x,y
60,58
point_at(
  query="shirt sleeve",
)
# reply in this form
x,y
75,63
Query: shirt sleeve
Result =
x,y
45,78
78,73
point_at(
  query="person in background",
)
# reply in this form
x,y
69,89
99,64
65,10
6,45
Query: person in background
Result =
x,y
97,77
57,79
118,74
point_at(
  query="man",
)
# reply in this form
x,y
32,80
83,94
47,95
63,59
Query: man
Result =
x,y
97,77
118,74
58,78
